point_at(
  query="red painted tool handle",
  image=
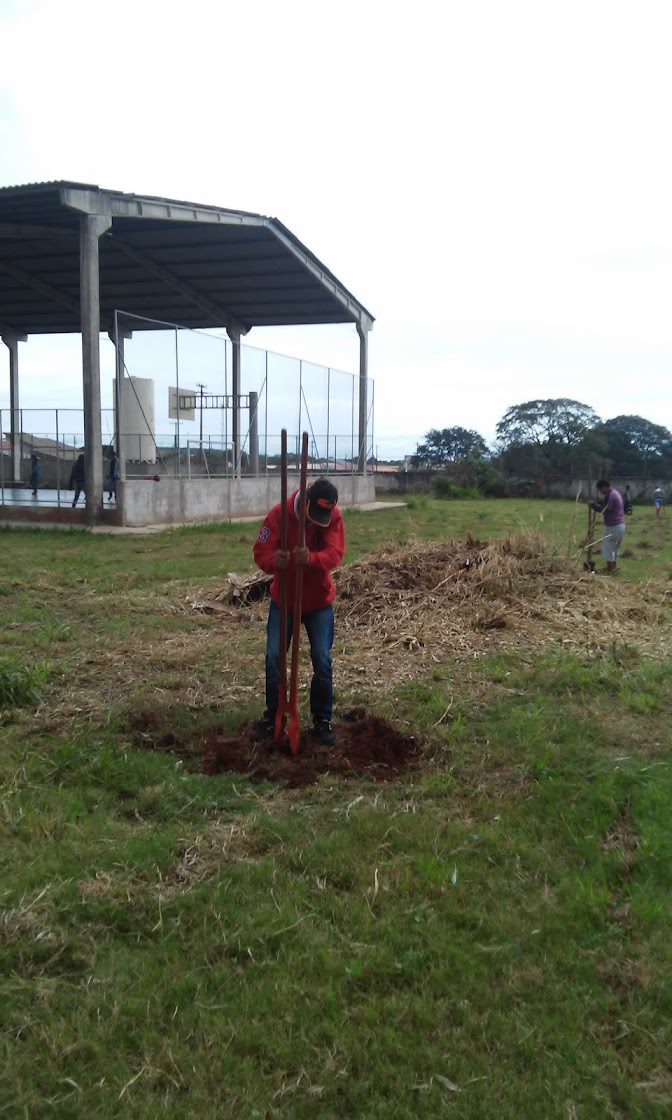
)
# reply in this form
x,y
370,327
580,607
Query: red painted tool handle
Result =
x,y
294,727
282,580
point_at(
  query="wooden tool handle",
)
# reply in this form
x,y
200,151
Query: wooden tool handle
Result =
x,y
283,545
293,728
298,590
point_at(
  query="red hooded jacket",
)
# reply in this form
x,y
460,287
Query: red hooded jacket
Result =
x,y
325,544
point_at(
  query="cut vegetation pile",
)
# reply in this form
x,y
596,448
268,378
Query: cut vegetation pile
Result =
x,y
442,599
462,596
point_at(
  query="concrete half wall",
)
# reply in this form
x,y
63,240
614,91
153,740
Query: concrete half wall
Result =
x,y
177,501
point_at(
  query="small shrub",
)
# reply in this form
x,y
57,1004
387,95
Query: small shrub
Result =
x,y
495,488
522,488
444,488
488,478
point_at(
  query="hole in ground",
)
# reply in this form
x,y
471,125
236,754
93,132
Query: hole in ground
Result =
x,y
366,745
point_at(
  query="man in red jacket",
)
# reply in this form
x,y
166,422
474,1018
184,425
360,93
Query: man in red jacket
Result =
x,y
324,551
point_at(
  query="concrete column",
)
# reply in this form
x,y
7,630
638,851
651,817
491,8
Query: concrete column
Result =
x,y
254,434
235,390
91,227
363,333
11,341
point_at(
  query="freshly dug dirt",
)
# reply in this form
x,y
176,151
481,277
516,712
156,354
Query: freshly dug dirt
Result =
x,y
366,746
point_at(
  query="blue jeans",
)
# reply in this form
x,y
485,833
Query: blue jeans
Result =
x,y
320,629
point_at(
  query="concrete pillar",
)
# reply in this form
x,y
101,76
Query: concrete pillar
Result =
x,y
254,434
91,227
363,333
11,341
234,335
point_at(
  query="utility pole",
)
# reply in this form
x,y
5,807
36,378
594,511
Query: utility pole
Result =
x,y
200,436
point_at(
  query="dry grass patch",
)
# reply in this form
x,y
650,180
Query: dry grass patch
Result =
x,y
238,841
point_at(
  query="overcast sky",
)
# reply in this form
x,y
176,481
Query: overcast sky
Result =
x,y
493,180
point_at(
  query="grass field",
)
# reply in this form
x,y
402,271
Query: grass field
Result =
x,y
487,937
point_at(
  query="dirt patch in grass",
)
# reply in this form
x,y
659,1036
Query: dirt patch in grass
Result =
x,y
622,836
155,730
236,841
366,746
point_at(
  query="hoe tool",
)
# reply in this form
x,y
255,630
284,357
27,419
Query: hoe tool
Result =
x,y
293,727
283,706
589,563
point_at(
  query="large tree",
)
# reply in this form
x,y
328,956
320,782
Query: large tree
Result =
x,y
450,445
552,433
637,445
561,421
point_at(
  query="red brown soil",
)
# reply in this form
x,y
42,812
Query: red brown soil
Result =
x,y
366,746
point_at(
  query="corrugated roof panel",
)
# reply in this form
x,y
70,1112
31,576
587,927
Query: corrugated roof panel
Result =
x,y
179,261
49,184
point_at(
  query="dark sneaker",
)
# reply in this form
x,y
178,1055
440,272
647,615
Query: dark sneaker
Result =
x,y
263,729
324,732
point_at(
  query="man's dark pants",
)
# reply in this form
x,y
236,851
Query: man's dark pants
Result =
x,y
320,629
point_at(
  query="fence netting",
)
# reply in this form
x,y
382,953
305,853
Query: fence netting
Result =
x,y
174,413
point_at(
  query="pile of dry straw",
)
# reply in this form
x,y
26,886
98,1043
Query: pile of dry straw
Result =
x,y
400,608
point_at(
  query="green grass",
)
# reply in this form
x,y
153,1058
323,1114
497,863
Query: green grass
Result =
x,y
20,684
487,937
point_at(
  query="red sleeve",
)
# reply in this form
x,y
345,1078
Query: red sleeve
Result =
x,y
332,550
267,542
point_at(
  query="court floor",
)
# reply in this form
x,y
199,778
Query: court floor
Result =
x,y
23,496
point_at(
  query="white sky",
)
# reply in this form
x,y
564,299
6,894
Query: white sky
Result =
x,y
492,179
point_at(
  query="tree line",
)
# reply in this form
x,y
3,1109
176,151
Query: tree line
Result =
x,y
556,437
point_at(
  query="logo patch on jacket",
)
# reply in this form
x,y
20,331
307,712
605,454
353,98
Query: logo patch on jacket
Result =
x,y
264,534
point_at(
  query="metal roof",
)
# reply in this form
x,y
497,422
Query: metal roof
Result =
x,y
179,262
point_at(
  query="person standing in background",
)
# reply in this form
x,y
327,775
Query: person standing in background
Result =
x,y
658,498
34,473
77,476
610,505
112,476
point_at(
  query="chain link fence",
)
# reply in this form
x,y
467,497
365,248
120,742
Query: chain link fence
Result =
x,y
173,415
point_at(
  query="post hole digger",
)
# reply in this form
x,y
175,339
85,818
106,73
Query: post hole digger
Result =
x,y
293,727
283,705
290,707
300,543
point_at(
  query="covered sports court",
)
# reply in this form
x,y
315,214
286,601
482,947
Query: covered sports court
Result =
x,y
75,258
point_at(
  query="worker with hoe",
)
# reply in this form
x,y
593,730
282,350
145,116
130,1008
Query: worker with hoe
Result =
x,y
324,551
610,504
